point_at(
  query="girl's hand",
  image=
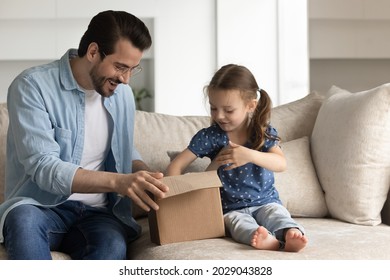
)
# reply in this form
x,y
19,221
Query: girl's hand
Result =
x,y
234,156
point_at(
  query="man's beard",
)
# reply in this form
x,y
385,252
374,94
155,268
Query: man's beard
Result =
x,y
99,82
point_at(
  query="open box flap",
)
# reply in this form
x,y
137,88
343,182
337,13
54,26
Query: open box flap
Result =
x,y
191,181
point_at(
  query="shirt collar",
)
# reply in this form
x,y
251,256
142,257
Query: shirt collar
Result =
x,y
66,75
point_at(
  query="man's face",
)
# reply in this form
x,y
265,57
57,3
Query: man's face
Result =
x,y
115,68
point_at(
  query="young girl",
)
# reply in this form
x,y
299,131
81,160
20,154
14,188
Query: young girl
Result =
x,y
244,149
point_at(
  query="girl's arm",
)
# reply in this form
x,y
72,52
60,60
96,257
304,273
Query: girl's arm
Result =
x,y
180,163
237,155
213,165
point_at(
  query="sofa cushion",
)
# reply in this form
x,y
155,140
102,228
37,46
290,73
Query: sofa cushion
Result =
x,y
155,134
3,136
329,240
296,119
351,153
198,165
298,186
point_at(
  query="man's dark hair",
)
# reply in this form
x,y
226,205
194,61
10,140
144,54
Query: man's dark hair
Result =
x,y
108,27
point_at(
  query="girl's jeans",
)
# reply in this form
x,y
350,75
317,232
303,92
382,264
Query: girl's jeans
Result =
x,y
81,231
243,223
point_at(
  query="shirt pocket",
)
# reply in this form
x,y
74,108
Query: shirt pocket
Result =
x,y
64,139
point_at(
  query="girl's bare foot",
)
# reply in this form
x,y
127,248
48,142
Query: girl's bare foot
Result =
x,y
262,240
295,240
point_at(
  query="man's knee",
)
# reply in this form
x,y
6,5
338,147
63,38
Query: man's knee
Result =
x,y
22,216
108,249
116,248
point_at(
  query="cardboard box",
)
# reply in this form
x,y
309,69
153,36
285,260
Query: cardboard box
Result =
x,y
191,210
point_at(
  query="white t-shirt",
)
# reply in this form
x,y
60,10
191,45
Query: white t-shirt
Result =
x,y
98,128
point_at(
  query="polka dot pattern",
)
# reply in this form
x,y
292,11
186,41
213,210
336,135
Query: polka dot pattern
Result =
x,y
244,186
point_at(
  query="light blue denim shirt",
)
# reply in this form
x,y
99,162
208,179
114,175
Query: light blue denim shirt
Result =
x,y
46,136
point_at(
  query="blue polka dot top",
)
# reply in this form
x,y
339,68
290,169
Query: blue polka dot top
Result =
x,y
244,186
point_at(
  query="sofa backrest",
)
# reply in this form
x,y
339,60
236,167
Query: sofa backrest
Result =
x,y
296,119
157,136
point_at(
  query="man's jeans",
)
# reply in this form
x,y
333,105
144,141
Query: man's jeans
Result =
x,y
81,231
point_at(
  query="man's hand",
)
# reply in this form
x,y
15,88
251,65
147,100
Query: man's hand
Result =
x,y
140,186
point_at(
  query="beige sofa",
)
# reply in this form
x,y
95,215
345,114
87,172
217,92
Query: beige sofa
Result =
x,y
336,185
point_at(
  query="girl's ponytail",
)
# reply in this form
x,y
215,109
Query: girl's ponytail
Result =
x,y
260,121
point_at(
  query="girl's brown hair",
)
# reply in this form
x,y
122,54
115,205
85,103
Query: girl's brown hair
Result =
x,y
237,77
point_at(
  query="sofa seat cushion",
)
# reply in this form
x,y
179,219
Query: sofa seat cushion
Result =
x,y
329,239
351,153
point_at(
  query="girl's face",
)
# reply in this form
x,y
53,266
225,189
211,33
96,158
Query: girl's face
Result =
x,y
229,110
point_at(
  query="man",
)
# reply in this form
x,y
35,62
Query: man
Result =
x,y
72,172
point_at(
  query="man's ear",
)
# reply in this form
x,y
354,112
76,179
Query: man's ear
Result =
x,y
93,51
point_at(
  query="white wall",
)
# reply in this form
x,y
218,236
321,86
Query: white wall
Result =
x,y
293,50
270,38
184,42
191,39
185,55
247,35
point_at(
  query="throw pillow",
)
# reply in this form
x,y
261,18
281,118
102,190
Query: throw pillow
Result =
x,y
198,165
296,119
298,186
335,90
155,134
351,153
